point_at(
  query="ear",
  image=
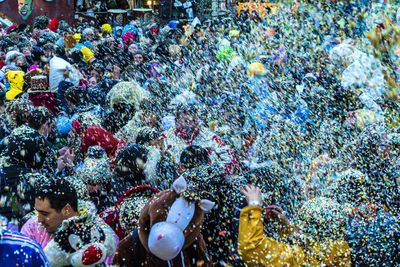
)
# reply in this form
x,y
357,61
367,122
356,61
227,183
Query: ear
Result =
x,y
206,205
67,211
179,185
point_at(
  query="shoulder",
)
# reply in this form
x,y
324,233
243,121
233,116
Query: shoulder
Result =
x,y
18,239
31,225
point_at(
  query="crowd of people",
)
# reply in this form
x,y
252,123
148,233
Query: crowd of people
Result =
x,y
237,141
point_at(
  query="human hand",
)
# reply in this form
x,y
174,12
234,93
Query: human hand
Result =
x,y
252,194
116,72
66,158
277,214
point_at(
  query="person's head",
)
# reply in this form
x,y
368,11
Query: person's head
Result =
x,y
26,147
41,120
76,96
27,51
25,8
193,156
49,50
148,136
129,162
133,49
55,201
186,119
19,111
92,81
88,34
138,58
35,33
150,112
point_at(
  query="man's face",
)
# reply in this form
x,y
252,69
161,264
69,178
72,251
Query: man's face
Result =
x,y
48,217
186,121
25,8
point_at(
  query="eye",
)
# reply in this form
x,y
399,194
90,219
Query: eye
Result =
x,y
95,234
75,241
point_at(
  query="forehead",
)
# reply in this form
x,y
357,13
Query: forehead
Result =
x,y
42,205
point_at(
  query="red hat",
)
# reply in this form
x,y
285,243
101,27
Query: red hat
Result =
x,y
53,25
11,28
154,30
128,37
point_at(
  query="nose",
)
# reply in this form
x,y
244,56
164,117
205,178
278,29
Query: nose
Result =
x,y
92,255
41,218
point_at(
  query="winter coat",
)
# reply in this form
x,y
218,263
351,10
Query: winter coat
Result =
x,y
33,229
29,253
258,250
13,206
95,135
134,249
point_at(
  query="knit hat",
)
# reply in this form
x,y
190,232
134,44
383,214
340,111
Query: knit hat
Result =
x,y
25,145
96,167
11,29
129,162
77,37
107,27
88,55
256,69
53,25
41,22
126,93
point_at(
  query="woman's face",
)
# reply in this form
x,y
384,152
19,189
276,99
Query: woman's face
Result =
x,y
133,49
26,51
92,81
138,59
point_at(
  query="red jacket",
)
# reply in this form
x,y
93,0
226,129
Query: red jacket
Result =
x,y
95,135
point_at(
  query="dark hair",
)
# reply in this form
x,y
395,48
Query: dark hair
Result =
x,y
77,95
38,117
59,192
191,109
20,109
26,146
193,156
125,161
146,135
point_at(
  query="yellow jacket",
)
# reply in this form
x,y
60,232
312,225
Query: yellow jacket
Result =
x,y
258,250
16,80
